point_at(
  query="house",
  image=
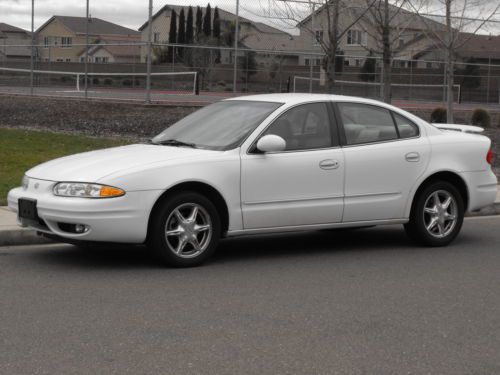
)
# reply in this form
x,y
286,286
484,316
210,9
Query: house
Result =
x,y
253,35
62,37
111,51
14,43
484,49
362,37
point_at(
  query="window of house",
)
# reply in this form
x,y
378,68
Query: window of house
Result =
x,y
306,61
101,60
304,127
156,38
66,42
59,60
318,37
428,65
366,123
68,60
401,42
356,37
46,42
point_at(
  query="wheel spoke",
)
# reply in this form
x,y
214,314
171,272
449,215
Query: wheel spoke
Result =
x,y
196,244
194,215
432,224
181,245
201,228
440,229
436,198
432,211
449,217
175,232
446,203
179,216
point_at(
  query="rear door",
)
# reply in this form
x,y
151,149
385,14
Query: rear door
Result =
x,y
384,156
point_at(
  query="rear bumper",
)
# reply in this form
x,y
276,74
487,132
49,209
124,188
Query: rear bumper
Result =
x,y
483,187
119,220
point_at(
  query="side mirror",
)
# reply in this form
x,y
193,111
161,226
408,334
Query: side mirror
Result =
x,y
271,143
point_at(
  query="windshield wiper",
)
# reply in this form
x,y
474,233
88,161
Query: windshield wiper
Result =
x,y
175,143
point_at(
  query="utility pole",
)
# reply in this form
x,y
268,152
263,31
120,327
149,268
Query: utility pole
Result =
x,y
149,54
87,51
32,81
236,39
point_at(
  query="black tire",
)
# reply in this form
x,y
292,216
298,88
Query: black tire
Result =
x,y
416,228
157,239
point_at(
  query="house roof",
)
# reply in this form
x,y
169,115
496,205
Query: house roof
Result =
x,y
4,27
97,26
113,47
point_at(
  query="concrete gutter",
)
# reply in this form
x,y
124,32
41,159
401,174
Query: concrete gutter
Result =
x,y
11,234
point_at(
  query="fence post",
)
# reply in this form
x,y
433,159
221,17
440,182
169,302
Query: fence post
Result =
x,y
149,54
236,38
32,67
87,51
488,84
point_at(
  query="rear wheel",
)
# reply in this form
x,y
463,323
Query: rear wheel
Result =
x,y
186,230
437,215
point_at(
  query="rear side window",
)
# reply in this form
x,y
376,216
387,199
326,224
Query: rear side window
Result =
x,y
406,128
366,123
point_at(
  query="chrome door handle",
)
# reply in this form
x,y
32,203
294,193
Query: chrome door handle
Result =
x,y
412,157
329,164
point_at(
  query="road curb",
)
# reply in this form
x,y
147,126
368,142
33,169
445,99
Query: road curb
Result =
x,y
21,237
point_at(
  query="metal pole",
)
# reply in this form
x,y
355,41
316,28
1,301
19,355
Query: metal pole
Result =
x,y
488,84
32,68
236,38
149,54
87,51
311,67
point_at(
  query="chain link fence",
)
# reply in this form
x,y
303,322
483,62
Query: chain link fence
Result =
x,y
184,53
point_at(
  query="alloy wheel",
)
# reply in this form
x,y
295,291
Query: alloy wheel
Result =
x,y
440,214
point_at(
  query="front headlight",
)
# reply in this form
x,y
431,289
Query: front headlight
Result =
x,y
83,190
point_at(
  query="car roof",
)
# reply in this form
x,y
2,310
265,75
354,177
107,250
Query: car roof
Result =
x,y
296,98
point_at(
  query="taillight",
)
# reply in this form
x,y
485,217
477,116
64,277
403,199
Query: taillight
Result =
x,y
489,157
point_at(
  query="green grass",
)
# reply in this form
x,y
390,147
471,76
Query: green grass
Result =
x,y
21,150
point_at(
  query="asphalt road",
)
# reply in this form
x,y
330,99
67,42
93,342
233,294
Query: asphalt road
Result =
x,y
366,302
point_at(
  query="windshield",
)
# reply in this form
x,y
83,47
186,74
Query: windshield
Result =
x,y
220,126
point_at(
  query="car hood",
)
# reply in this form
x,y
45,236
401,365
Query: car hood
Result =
x,y
95,165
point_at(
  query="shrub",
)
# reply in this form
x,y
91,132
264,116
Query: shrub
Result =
x,y
481,117
439,115
95,81
137,82
221,83
108,81
127,82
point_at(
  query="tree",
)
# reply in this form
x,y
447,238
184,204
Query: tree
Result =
x,y
368,69
216,26
337,17
458,19
190,26
199,21
207,22
172,36
181,36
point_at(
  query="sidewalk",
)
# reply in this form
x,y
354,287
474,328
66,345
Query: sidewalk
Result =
x,y
11,234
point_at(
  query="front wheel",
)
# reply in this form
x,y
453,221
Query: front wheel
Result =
x,y
437,215
186,230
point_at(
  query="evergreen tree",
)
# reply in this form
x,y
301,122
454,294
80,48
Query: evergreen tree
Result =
x,y
216,26
172,36
207,21
199,22
181,36
190,26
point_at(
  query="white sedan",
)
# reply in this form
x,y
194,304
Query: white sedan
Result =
x,y
261,164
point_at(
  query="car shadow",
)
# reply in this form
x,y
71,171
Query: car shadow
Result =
x,y
248,248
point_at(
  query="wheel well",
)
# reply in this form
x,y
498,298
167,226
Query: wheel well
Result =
x,y
450,177
208,191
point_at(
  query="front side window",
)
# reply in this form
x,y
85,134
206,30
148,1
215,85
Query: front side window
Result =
x,y
366,123
304,127
220,126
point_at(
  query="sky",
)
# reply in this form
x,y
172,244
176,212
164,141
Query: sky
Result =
x,y
133,13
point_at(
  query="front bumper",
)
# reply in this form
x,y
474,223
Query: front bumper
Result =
x,y
120,220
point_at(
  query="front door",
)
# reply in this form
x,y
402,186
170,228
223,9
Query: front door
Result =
x,y
303,185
